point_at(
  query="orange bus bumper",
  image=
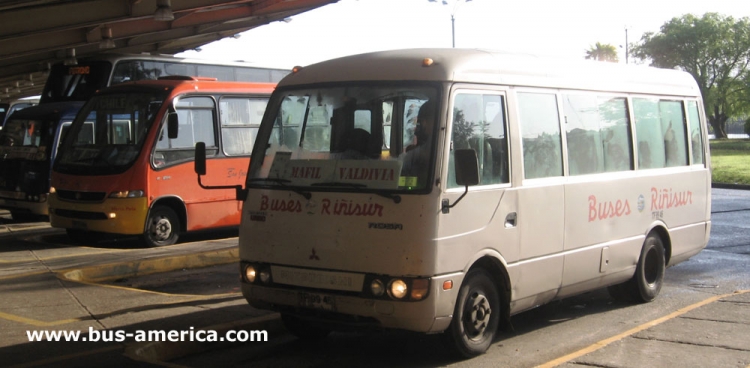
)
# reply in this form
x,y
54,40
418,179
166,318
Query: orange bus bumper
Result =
x,y
114,215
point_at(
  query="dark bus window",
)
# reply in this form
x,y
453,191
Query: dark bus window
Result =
x,y
135,70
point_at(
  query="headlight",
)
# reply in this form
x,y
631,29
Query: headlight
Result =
x,y
398,289
127,194
265,276
377,287
249,273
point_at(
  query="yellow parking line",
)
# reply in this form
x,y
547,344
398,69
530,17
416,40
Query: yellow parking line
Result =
x,y
19,275
598,345
38,323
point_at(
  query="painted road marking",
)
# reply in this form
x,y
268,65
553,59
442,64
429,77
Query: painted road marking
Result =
x,y
38,323
598,345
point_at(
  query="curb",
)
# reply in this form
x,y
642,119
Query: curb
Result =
x,y
114,271
730,186
161,352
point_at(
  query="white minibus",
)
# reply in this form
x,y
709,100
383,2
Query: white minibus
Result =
x,y
443,191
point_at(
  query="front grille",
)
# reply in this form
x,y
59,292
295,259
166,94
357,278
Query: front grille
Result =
x,y
70,195
81,214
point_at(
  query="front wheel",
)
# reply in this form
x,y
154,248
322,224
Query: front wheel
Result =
x,y
476,316
162,227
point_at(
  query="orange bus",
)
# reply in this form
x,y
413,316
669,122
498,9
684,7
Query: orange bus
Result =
x,y
125,165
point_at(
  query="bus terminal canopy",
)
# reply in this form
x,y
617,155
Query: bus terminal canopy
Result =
x,y
38,33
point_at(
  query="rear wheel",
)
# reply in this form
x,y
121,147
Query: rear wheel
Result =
x,y
162,227
476,316
649,274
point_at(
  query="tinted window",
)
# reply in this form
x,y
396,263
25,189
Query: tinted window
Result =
x,y
479,124
696,138
597,134
240,120
660,132
540,132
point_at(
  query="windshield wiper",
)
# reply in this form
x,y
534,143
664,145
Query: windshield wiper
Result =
x,y
394,197
283,184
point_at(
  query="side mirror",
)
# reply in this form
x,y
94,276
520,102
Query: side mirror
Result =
x,y
173,125
200,158
467,173
467,167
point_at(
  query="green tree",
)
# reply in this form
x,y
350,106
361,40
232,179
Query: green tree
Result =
x,y
602,52
715,50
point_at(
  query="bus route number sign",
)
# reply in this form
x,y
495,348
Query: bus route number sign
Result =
x,y
79,70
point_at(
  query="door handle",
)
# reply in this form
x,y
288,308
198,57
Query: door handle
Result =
x,y
510,220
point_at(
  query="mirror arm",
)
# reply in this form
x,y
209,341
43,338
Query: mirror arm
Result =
x,y
446,208
239,192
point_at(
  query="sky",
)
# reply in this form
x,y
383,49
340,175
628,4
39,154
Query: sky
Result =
x,y
563,29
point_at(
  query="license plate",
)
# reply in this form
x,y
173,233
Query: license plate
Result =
x,y
79,225
317,301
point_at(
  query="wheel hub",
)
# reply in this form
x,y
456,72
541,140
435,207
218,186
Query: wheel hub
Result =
x,y
161,229
478,315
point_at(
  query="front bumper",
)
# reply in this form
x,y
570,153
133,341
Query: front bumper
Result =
x,y
117,216
431,315
36,208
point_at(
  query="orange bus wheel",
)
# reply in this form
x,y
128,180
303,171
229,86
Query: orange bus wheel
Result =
x,y
162,227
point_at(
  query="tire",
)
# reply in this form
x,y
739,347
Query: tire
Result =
x,y
303,329
162,227
476,316
649,274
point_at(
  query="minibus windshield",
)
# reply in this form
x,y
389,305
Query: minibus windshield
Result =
x,y
351,138
26,139
108,133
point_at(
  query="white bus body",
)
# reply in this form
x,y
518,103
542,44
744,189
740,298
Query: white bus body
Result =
x,y
591,175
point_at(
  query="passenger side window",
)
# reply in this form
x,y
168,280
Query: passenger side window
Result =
x,y
540,132
240,121
598,134
196,124
660,132
696,138
479,124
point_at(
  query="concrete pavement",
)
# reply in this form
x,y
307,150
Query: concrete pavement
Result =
x,y
49,284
